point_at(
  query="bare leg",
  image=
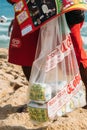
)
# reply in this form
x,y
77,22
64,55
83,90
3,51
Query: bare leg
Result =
x,y
26,71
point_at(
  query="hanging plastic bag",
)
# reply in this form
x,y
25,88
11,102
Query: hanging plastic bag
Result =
x,y
55,82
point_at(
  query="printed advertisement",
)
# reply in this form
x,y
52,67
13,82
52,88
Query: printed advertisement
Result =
x,y
64,96
32,14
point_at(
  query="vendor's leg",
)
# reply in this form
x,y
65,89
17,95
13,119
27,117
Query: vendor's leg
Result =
x,y
26,71
83,72
80,52
78,44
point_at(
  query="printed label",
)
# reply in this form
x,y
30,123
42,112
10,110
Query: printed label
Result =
x,y
58,54
19,6
16,42
22,17
63,96
26,30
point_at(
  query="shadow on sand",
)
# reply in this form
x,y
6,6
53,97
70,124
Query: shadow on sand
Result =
x,y
8,109
20,128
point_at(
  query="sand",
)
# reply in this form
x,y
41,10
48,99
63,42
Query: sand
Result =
x,y
13,93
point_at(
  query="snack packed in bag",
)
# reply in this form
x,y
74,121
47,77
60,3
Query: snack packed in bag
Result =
x,y
65,101
38,113
40,92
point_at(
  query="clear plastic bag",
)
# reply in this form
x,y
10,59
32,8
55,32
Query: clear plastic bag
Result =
x,y
55,78
51,35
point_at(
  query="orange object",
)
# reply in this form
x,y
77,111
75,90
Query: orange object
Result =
x,y
78,44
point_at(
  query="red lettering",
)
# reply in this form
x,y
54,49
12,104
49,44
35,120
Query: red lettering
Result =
x,y
69,40
75,83
78,78
69,89
66,44
63,48
52,101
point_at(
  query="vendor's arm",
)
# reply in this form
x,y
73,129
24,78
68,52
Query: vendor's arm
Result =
x,y
11,1
10,27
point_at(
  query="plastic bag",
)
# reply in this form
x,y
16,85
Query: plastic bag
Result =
x,y
55,81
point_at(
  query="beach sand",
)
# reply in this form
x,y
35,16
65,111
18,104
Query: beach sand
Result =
x,y
13,93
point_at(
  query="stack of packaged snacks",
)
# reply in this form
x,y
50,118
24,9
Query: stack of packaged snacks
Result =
x,y
40,93
38,112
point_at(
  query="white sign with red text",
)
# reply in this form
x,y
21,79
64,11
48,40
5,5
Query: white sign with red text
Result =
x,y
64,96
59,53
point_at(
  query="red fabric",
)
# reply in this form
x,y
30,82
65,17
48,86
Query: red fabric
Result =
x,y
22,49
78,44
14,0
